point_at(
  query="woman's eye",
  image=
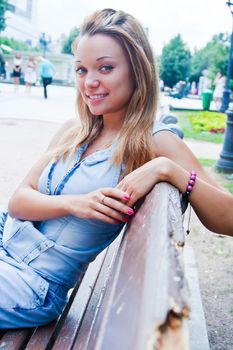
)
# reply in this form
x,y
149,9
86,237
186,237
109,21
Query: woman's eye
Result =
x,y
106,68
80,70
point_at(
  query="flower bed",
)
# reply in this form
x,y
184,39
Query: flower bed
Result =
x,y
208,121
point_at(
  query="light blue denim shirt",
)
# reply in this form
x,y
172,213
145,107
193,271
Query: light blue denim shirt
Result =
x,y
44,259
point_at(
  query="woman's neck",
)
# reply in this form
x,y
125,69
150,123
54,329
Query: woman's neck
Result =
x,y
112,124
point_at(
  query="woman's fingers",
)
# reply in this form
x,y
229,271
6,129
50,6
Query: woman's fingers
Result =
x,y
116,193
102,217
114,208
112,203
133,193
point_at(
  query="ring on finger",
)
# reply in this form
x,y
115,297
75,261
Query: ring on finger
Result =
x,y
102,200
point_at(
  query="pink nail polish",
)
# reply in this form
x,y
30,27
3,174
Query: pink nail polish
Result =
x,y
130,211
126,197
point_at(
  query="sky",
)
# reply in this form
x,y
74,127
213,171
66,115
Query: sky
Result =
x,y
196,20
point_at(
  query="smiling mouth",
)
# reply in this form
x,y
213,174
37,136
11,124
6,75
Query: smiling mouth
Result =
x,y
96,97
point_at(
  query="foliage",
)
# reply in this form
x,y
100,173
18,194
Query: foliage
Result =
x,y
190,133
69,40
175,62
229,187
213,57
208,121
219,176
3,7
207,162
16,45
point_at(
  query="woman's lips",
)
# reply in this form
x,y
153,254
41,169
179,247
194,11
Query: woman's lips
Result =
x,y
96,98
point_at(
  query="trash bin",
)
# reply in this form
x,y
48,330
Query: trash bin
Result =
x,y
206,99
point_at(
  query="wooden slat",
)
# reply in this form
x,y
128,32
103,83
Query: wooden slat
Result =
x,y
146,293
85,331
42,336
15,339
69,330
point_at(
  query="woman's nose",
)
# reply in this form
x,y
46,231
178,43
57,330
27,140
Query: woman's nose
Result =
x,y
92,82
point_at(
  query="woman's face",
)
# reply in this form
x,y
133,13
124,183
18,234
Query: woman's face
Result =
x,y
103,75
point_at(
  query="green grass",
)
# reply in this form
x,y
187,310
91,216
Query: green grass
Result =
x,y
191,133
229,187
220,177
207,162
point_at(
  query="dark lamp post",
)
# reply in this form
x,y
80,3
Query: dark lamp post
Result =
x,y
225,162
226,92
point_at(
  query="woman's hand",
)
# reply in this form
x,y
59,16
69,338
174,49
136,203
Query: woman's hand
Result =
x,y
105,204
138,183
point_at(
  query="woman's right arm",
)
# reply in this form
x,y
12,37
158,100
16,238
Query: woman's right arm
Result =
x,y
27,203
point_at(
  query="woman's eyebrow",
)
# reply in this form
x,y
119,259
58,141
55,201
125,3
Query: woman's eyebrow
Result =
x,y
102,57
98,59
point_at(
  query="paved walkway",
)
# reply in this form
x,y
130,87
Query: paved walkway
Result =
x,y
187,103
60,106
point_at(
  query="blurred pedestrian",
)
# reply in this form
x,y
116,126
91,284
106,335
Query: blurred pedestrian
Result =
x,y
17,70
30,73
2,65
47,70
193,88
219,83
161,85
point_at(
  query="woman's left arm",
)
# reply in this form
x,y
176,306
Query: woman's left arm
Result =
x,y
173,163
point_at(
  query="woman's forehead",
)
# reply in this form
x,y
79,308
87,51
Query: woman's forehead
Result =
x,y
98,45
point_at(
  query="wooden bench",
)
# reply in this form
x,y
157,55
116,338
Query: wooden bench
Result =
x,y
134,296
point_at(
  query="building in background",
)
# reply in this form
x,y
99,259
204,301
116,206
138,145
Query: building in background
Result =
x,y
21,19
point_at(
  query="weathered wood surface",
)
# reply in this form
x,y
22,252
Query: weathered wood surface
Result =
x,y
134,296
145,299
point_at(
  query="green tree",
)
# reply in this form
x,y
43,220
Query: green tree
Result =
x,y
3,7
16,45
212,57
175,61
68,42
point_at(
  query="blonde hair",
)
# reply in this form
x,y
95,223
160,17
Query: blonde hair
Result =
x,y
135,145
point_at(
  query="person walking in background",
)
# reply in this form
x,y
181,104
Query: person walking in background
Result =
x,y
30,73
219,83
47,70
17,70
2,65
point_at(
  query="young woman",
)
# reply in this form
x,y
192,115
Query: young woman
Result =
x,y
17,70
30,73
76,198
219,83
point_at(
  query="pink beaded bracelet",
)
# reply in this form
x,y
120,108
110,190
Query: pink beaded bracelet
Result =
x,y
189,188
191,182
